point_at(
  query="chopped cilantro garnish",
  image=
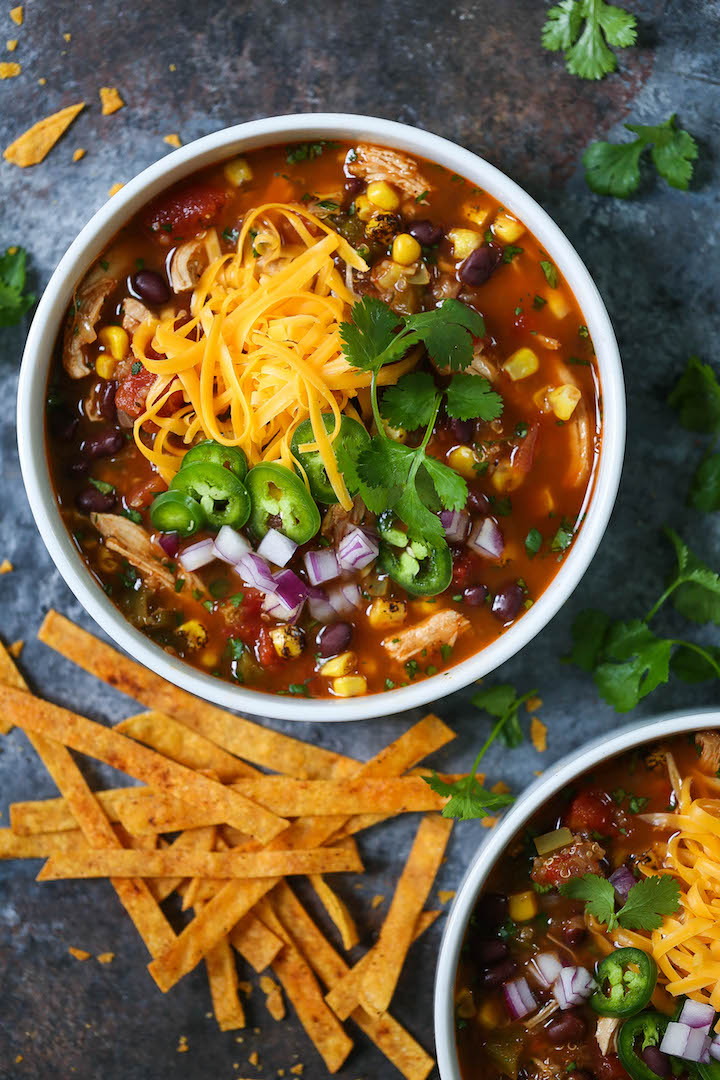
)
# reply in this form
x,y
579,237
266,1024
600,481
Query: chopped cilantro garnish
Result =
x,y
299,689
132,515
510,251
550,271
102,485
135,368
614,168
307,151
179,583
421,197
236,599
539,302
533,542
389,684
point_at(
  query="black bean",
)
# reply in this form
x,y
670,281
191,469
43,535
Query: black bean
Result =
x,y
107,442
426,233
475,595
79,465
656,1060
105,400
580,1074
353,186
568,1028
477,503
334,639
498,974
479,265
63,424
150,286
490,913
462,430
508,602
487,954
573,932
93,501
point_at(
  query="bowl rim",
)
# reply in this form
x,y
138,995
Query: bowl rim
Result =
x,y
558,775
100,229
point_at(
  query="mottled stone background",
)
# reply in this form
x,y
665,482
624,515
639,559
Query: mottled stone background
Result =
x,y
474,72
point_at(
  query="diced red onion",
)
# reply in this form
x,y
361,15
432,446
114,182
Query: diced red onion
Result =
x,y
456,524
275,605
519,998
714,1048
255,572
546,968
573,986
320,607
622,881
345,598
321,565
696,1014
276,547
197,555
230,545
170,543
291,589
486,539
680,1040
357,550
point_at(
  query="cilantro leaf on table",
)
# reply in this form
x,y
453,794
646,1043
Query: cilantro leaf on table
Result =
x,y
471,396
696,398
411,402
586,48
503,702
614,168
637,663
468,798
598,894
647,902
705,486
695,667
588,633
14,302
696,588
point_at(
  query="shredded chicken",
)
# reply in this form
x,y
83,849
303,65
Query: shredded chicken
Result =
x,y
82,317
134,313
191,259
337,521
131,542
605,1033
581,455
442,628
709,743
377,163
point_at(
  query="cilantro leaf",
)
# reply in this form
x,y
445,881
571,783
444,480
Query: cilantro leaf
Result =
x,y
447,332
102,485
648,901
411,402
471,396
13,302
598,894
422,524
468,798
614,168
697,597
586,48
694,664
589,632
502,701
705,485
450,487
370,334
696,398
638,662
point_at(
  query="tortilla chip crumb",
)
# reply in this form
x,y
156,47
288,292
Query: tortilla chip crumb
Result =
x,y
500,788
16,14
377,900
42,81
172,67
538,734
68,37
489,822
281,1072
18,1059
538,772
239,1038
182,1046
110,100
11,44
35,143
79,954
172,140
9,70
106,957
79,153
273,997
114,190
16,648
246,988
446,895
533,704
254,1059
297,1070
6,567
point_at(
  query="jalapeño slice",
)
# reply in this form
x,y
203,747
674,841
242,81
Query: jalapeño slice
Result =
x,y
626,980
231,457
222,496
172,511
637,1034
421,567
351,439
281,501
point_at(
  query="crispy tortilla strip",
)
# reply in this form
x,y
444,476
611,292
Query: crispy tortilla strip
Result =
x,y
182,744
55,815
255,943
223,980
213,864
360,822
41,845
250,741
302,989
397,1044
106,744
338,911
442,628
34,144
10,676
209,926
192,840
384,961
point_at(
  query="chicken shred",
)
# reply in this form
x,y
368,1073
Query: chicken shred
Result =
x,y
377,163
80,326
442,628
132,542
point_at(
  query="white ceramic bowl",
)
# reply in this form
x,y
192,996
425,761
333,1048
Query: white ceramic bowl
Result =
x,y
88,246
560,775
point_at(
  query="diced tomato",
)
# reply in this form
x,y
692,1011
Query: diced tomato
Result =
x,y
133,390
609,1067
524,454
143,493
578,858
592,812
462,568
266,650
185,211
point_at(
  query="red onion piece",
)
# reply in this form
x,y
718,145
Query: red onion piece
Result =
x,y
696,1014
714,1048
519,998
276,547
456,524
255,572
573,986
291,589
320,607
357,550
275,605
197,555
345,598
622,881
230,545
170,543
546,967
321,565
680,1040
486,539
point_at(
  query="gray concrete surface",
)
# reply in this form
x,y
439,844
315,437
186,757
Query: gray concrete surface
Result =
x,y
474,72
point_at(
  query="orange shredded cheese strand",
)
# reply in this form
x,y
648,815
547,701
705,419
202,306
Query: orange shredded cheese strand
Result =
x,y
268,354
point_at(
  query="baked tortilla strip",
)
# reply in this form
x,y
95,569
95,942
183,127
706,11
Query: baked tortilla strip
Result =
x,y
180,743
55,815
223,980
255,942
41,845
198,864
10,676
389,1036
161,774
235,734
192,840
338,911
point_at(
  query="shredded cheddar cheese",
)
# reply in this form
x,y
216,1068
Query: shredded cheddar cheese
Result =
x,y
261,351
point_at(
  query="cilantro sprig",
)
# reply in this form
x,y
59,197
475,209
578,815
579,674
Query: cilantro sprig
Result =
x,y
696,399
628,660
648,900
614,168
14,301
586,46
503,702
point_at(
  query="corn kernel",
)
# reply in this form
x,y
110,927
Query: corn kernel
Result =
x,y
364,208
521,364
383,227
464,242
288,641
350,686
428,606
523,906
194,633
387,612
210,658
464,1004
382,195
405,249
115,340
545,501
507,229
489,1014
558,303
506,477
339,665
387,273
105,365
563,400
238,171
463,460
397,434
477,214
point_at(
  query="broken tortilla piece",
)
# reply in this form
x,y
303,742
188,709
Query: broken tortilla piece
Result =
x,y
538,734
110,100
172,140
16,14
35,144
8,70
79,153
114,190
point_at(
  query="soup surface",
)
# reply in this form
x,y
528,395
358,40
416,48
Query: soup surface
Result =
x,y
373,400
592,951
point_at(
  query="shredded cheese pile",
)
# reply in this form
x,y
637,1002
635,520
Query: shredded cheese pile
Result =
x,y
268,356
